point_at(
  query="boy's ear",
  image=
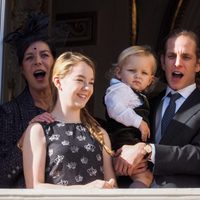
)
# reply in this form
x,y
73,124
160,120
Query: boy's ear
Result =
x,y
117,72
162,59
57,83
152,80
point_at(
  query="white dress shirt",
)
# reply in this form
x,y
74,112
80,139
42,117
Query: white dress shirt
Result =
x,y
120,101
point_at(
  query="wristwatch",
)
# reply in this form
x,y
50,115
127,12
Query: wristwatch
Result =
x,y
148,150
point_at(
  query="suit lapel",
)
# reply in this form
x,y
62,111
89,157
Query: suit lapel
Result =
x,y
154,106
185,112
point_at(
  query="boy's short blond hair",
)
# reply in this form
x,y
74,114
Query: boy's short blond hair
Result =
x,y
139,51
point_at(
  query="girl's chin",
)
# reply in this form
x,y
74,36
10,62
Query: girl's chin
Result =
x,y
80,105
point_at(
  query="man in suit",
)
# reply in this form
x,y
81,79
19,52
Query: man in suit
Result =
x,y
175,151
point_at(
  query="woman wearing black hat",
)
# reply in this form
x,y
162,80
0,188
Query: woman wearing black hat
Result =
x,y
36,57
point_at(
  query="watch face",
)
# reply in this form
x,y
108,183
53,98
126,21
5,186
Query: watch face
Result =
x,y
148,149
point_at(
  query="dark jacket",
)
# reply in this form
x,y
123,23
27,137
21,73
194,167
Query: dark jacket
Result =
x,y
14,118
177,158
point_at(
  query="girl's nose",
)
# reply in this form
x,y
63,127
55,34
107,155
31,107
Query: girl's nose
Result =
x,y
86,86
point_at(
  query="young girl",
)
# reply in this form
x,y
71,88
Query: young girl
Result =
x,y
126,104
73,150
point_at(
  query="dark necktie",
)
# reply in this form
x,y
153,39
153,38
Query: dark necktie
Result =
x,y
169,112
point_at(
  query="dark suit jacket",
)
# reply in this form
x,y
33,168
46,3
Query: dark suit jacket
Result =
x,y
177,158
14,119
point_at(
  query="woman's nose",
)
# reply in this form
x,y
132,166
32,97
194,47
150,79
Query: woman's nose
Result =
x,y
37,60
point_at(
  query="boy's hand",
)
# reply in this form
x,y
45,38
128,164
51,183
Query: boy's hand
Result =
x,y
145,131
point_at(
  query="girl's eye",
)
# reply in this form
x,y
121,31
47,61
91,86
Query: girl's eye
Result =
x,y
80,80
91,83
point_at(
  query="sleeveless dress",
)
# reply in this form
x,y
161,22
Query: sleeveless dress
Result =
x,y
74,157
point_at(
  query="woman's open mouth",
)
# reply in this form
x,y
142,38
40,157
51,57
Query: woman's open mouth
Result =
x,y
39,74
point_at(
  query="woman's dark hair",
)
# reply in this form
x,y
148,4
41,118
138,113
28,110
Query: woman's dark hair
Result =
x,y
34,29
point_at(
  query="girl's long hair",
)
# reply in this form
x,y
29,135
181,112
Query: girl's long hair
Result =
x,y
95,130
62,66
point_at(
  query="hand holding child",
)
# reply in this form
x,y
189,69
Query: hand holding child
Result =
x,y
145,131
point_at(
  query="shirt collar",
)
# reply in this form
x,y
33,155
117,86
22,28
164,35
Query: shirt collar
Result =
x,y
185,92
114,81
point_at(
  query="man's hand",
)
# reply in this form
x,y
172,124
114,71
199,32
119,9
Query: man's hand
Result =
x,y
128,158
